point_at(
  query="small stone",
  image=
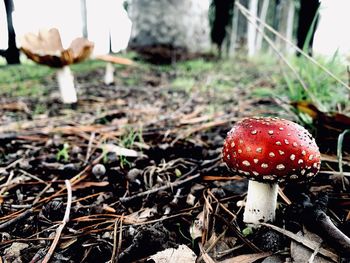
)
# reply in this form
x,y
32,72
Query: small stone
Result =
x,y
99,170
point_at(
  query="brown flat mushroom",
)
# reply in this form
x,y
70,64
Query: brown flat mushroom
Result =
x,y
46,48
268,151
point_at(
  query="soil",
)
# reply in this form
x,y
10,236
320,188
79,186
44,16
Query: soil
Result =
x,y
144,164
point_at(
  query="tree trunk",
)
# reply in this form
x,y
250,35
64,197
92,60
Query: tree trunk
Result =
x,y
172,24
262,16
251,32
285,15
307,13
12,52
221,22
84,17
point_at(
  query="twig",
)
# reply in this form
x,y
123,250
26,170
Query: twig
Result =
x,y
114,251
313,255
120,237
233,228
88,152
165,187
304,241
5,186
17,219
62,224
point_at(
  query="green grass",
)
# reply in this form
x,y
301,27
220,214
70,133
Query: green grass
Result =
x,y
327,92
27,79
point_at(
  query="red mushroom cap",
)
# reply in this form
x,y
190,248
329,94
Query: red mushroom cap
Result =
x,y
271,149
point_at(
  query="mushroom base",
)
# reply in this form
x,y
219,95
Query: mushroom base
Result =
x,y
66,85
109,74
261,202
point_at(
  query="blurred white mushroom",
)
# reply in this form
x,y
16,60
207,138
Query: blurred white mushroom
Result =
x,y
46,48
110,59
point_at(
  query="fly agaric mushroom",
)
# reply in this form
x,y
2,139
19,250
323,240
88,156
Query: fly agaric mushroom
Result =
x,y
268,151
46,48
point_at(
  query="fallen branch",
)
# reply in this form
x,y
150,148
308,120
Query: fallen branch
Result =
x,y
62,224
304,241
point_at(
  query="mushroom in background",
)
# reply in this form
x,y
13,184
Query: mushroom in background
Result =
x,y
46,48
110,59
268,151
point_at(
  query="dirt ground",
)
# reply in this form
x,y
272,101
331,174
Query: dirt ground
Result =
x,y
142,160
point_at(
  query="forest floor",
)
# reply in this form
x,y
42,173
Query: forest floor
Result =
x,y
142,161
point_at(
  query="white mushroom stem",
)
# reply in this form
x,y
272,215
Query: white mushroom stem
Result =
x,y
66,85
261,202
109,74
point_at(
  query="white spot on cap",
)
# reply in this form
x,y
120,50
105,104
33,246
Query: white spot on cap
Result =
x,y
228,157
310,174
239,151
295,144
303,172
259,150
292,157
246,173
249,149
254,132
264,165
280,152
280,167
281,129
233,144
293,176
303,152
255,173
311,157
246,163
300,161
271,154
270,132
278,143
240,141
256,160
315,165
268,177
286,142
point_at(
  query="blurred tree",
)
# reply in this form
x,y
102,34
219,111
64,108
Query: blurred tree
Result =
x,y
221,20
84,17
12,53
168,30
307,24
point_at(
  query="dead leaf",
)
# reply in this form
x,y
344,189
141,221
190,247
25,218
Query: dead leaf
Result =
x,y
196,229
109,209
140,216
182,254
328,124
248,258
13,253
67,243
300,253
120,151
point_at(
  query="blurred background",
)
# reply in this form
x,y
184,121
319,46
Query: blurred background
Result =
x,y
179,27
